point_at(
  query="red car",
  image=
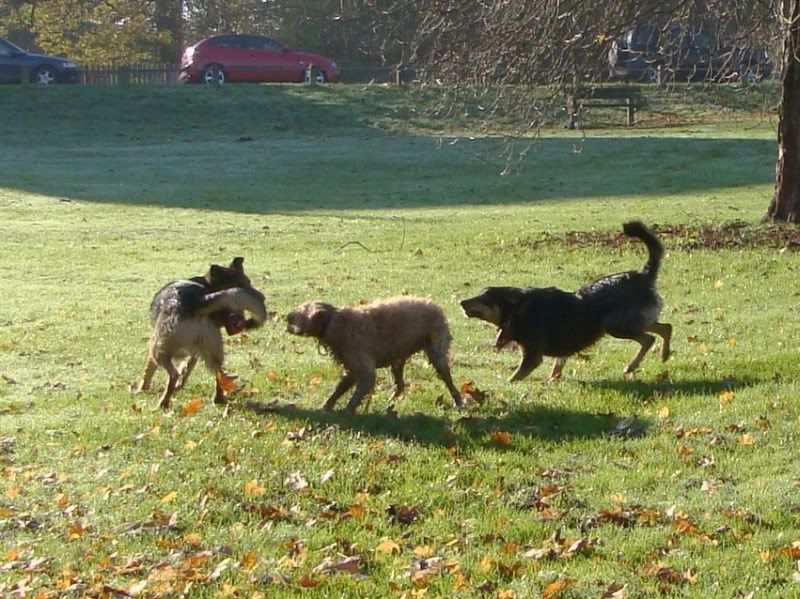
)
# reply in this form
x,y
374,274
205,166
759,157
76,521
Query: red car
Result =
x,y
254,58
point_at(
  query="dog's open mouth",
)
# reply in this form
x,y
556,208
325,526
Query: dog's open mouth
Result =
x,y
235,323
503,336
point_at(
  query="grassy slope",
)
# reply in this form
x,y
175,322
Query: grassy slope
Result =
x,y
106,194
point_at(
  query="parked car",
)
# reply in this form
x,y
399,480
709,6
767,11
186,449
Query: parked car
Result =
x,y
255,58
41,69
683,54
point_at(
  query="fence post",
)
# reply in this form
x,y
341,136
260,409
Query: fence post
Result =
x,y
125,76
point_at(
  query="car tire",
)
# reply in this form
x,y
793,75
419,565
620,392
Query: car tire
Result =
x,y
213,74
43,75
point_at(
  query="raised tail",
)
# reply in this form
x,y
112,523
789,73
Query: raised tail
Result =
x,y
237,299
638,230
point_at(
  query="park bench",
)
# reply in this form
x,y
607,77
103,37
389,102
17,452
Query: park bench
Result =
x,y
629,98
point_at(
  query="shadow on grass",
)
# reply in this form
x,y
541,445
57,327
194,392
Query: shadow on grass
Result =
x,y
644,390
537,422
274,150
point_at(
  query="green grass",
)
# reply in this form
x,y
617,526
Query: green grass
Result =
x,y
106,194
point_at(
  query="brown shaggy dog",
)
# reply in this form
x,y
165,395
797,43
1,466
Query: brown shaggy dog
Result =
x,y
377,335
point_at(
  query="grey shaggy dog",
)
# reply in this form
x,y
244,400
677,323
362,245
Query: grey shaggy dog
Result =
x,y
377,335
186,317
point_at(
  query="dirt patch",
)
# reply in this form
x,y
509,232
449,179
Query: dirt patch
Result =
x,y
731,235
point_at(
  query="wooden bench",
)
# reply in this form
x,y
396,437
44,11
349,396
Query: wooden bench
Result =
x,y
629,98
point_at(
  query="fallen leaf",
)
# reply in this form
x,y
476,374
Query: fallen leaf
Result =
x,y
249,561
746,440
663,413
169,497
615,590
506,594
403,514
193,539
76,530
296,481
253,489
726,397
62,500
193,406
309,583
388,546
554,589
501,438
327,476
423,551
226,382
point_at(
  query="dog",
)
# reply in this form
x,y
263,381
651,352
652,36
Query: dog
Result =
x,y
186,317
377,335
552,322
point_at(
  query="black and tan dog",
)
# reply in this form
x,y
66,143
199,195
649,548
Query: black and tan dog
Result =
x,y
551,322
377,335
186,317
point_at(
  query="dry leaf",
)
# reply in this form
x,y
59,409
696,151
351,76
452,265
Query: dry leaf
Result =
x,y
506,594
169,497
193,538
615,590
193,406
225,382
726,397
296,481
76,530
249,561
62,500
554,589
253,489
388,546
423,551
663,413
501,438
746,440
309,583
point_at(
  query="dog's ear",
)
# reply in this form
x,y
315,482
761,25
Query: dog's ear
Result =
x,y
215,272
237,264
319,318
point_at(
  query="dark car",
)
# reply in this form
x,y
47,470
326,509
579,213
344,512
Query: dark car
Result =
x,y
255,58
645,52
40,69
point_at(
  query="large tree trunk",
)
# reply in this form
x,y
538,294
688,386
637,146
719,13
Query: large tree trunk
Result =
x,y
785,205
169,21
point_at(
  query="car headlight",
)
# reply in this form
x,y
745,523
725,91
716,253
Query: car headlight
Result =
x,y
68,65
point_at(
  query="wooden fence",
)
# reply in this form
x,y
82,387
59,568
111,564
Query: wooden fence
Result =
x,y
168,74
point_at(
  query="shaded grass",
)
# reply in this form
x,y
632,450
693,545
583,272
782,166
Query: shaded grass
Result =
x,y
715,426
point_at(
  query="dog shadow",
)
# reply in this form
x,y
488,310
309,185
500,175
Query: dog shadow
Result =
x,y
644,390
544,423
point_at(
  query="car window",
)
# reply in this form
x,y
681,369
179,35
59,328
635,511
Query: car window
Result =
x,y
226,41
6,49
258,42
645,36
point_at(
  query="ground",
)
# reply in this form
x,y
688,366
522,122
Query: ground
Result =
x,y
683,480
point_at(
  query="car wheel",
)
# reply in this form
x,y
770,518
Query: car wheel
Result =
x,y
213,74
43,75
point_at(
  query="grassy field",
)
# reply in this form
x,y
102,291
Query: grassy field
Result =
x,y
683,481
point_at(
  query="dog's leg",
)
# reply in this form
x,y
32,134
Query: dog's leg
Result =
x,y
365,382
214,356
185,371
399,383
345,384
558,366
646,341
147,377
172,373
440,364
663,330
530,360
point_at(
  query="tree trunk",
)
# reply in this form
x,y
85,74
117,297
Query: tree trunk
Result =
x,y
169,20
785,205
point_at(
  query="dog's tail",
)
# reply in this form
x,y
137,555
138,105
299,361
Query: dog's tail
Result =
x,y
638,230
237,299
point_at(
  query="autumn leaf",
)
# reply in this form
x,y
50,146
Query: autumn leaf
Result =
x,y
62,500
249,561
192,406
388,546
76,530
226,383
554,589
403,514
253,489
169,497
272,375
423,551
506,594
307,582
13,492
6,512
501,438
663,413
194,539
746,440
726,397
614,591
